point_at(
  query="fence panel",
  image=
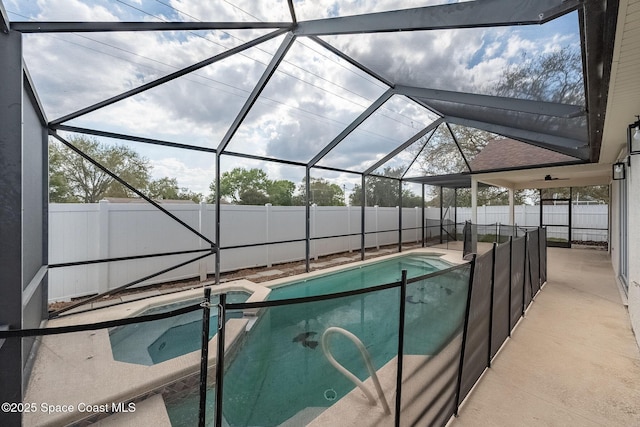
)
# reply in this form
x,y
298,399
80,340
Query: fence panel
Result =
x,y
476,356
431,356
142,229
72,238
543,255
590,222
533,253
426,324
501,285
81,232
517,279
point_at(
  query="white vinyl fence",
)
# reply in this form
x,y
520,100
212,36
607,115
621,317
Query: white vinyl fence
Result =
x,y
83,232
589,222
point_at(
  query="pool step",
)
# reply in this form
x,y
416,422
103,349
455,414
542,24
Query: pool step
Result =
x,y
304,417
416,263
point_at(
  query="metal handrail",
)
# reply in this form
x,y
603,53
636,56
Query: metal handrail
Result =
x,y
347,373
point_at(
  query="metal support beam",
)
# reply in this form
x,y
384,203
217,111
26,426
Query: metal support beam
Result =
x,y
405,145
357,122
474,200
133,138
307,220
423,217
204,356
487,13
512,209
292,12
597,22
168,77
33,95
11,231
570,147
363,204
400,216
503,103
441,213
218,210
417,155
130,187
455,140
455,212
257,90
5,26
93,27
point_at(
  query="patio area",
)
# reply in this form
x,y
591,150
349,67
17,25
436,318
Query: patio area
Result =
x,y
157,146
572,360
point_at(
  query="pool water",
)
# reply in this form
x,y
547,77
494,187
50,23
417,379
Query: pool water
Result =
x,y
160,340
365,276
281,369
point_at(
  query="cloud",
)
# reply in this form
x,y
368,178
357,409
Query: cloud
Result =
x,y
195,178
311,98
269,10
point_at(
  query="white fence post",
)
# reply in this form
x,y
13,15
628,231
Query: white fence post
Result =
x,y
375,207
267,220
202,264
349,228
97,231
103,246
314,221
417,224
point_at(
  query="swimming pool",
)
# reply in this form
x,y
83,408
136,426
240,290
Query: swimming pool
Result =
x,y
280,372
154,342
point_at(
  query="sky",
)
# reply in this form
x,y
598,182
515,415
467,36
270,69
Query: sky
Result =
x,y
310,99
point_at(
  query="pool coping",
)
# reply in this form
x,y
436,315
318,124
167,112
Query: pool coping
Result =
x,y
450,256
64,369
79,369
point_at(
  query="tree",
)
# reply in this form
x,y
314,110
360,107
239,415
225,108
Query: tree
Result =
x,y
74,179
281,192
491,196
167,189
253,197
252,187
384,191
553,77
238,181
322,193
441,155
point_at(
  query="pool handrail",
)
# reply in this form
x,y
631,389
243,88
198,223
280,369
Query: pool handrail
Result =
x,y
367,359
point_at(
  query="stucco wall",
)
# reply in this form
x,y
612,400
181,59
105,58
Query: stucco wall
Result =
x,y
633,182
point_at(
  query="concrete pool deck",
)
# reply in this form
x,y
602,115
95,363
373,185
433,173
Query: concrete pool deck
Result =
x,y
76,372
572,360
78,369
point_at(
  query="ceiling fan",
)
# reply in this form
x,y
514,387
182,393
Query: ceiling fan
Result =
x,y
551,178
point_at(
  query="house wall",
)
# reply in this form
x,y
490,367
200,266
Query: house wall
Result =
x,y
23,220
614,239
633,183
11,285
